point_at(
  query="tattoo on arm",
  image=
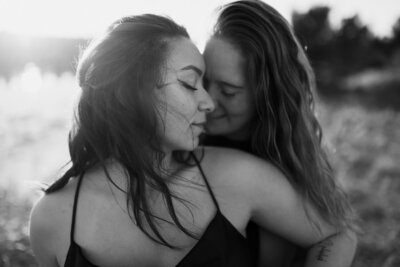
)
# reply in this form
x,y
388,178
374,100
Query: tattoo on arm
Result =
x,y
324,250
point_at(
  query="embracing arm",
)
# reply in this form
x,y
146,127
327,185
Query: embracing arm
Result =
x,y
335,250
277,207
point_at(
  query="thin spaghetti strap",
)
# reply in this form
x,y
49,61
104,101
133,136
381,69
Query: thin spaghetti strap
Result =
x,y
205,180
75,206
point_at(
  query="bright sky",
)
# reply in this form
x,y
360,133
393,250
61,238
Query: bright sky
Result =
x,y
86,18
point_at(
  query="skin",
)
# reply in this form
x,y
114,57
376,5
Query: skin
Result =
x,y
227,86
102,214
234,110
107,235
183,100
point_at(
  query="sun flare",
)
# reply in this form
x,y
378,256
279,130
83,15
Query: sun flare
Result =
x,y
75,18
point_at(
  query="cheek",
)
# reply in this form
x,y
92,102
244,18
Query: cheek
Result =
x,y
184,110
182,103
240,106
180,115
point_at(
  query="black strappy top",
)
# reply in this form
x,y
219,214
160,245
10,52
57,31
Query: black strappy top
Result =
x,y
221,244
252,229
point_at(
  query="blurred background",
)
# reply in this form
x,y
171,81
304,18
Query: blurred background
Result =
x,y
353,45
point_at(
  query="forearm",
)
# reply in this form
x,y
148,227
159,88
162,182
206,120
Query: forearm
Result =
x,y
336,251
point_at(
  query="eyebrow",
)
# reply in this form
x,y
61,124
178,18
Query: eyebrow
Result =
x,y
194,68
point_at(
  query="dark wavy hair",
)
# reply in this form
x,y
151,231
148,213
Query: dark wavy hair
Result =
x,y
116,116
285,129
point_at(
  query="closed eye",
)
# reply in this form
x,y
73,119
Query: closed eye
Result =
x,y
228,90
187,86
227,94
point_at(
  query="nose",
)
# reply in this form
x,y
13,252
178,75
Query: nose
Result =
x,y
212,90
206,103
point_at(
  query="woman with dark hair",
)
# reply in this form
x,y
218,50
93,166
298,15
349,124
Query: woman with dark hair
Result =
x,y
262,85
139,192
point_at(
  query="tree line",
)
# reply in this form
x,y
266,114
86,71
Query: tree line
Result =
x,y
334,53
350,49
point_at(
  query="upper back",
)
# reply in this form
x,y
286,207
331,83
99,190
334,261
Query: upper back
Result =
x,y
108,235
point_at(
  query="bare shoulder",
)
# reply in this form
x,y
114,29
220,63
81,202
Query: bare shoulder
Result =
x,y
246,186
236,164
257,180
245,176
225,156
51,208
50,224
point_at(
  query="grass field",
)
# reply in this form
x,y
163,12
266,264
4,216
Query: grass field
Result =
x,y
35,117
366,156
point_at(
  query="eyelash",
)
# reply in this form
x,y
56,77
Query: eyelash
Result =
x,y
228,94
188,86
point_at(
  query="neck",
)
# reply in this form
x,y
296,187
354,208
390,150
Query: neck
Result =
x,y
168,165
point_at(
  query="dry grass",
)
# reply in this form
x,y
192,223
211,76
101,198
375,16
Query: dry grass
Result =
x,y
366,147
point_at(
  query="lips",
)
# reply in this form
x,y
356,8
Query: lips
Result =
x,y
199,125
216,117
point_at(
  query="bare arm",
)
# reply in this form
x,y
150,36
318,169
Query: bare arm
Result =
x,y
41,235
336,250
276,251
278,208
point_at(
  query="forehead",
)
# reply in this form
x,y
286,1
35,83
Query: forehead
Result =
x,y
223,60
184,53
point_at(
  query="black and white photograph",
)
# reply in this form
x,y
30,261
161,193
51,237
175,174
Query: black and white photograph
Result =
x,y
199,133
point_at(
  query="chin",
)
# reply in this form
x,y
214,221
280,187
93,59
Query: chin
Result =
x,y
195,144
215,131
191,145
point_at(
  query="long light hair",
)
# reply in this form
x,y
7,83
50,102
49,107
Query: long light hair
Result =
x,y
285,130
